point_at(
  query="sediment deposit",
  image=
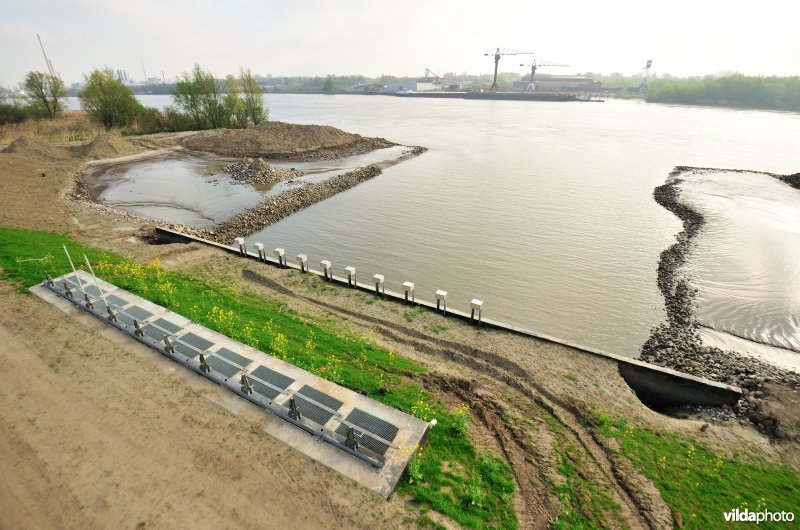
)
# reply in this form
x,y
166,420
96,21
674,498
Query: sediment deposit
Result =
x,y
283,141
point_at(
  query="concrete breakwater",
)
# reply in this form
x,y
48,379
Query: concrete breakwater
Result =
x,y
656,386
676,343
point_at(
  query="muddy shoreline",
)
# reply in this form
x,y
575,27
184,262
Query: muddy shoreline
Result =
x,y
87,186
676,342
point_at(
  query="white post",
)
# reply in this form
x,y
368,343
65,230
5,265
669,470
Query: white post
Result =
x,y
475,305
281,256
408,287
379,283
260,249
303,260
242,250
326,269
441,296
351,275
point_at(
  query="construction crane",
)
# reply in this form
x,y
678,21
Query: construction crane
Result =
x,y
47,61
646,78
497,54
434,75
535,65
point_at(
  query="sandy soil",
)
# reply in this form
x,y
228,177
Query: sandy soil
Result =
x,y
96,430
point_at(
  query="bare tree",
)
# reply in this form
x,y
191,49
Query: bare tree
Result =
x,y
46,93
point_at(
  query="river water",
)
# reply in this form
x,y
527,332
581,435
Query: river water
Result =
x,y
745,263
542,210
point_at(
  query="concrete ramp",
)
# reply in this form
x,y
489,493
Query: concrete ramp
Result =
x,y
355,435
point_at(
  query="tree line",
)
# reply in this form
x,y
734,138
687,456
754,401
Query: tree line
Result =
x,y
201,101
777,93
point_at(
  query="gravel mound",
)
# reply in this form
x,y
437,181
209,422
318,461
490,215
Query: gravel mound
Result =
x,y
257,171
106,145
31,148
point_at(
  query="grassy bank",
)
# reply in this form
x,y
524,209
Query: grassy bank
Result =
x,y
449,475
698,483
69,126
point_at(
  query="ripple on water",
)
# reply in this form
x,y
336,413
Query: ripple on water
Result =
x,y
744,262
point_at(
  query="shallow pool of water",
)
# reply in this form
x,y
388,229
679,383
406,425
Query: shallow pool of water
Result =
x,y
188,190
198,192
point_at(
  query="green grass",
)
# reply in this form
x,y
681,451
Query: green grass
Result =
x,y
700,484
583,502
410,314
452,477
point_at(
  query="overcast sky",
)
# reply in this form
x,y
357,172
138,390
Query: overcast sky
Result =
x,y
401,37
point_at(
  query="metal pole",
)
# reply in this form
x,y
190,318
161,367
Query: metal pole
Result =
x,y
80,283
108,308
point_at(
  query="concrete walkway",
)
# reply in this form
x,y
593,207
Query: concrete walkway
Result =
x,y
387,438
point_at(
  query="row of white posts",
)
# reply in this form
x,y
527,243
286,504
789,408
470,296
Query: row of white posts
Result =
x,y
475,305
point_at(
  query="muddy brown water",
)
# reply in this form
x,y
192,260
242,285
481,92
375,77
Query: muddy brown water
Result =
x,y
542,210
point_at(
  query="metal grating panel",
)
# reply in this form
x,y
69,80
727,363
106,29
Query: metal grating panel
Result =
x,y
272,377
186,350
197,341
373,424
138,313
116,301
233,357
225,368
135,312
154,333
311,411
91,290
166,324
320,397
264,390
365,440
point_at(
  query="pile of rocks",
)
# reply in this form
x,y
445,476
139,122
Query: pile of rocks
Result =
x,y
359,147
277,207
257,171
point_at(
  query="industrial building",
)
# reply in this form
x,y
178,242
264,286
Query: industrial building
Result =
x,y
555,83
413,86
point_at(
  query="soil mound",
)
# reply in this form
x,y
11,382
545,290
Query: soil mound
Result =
x,y
31,148
106,145
270,139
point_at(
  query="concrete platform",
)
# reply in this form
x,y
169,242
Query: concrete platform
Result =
x,y
387,437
